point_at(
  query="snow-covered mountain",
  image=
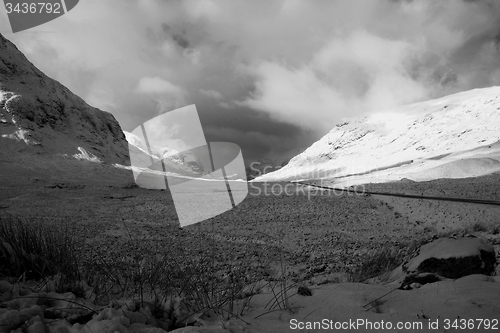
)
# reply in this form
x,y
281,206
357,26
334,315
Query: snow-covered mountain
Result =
x,y
179,161
451,137
41,117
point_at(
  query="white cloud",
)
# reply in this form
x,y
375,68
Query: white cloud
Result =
x,y
202,8
359,73
211,93
294,95
157,85
309,63
167,95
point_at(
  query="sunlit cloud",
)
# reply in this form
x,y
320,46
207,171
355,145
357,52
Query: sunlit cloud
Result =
x,y
305,63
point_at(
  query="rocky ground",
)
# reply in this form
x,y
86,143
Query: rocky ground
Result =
x,y
315,232
321,236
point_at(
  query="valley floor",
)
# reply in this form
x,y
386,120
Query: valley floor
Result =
x,y
321,236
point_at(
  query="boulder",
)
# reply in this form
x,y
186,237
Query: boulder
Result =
x,y
453,258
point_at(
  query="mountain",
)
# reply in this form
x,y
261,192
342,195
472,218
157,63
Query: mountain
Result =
x,y
181,161
455,136
39,117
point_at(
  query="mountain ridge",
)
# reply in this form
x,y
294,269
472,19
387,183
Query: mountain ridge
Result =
x,y
405,140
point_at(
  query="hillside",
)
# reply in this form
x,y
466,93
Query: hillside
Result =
x,y
455,136
41,117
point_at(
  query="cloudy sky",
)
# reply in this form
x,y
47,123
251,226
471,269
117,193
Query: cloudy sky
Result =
x,y
270,76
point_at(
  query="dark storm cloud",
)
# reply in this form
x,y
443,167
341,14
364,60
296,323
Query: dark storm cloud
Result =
x,y
181,41
268,75
178,37
497,41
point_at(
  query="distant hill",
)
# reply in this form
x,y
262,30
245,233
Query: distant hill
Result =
x,y
270,163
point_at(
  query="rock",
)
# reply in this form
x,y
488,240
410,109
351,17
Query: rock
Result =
x,y
453,258
304,291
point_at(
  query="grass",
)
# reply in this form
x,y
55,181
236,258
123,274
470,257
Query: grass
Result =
x,y
183,287
380,261
31,248
178,284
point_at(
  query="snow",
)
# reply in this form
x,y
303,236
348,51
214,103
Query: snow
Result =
x,y
445,248
470,297
84,155
135,140
20,135
174,152
387,145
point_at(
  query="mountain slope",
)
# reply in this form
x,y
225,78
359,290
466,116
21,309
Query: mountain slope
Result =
x,y
406,142
270,162
181,163
40,116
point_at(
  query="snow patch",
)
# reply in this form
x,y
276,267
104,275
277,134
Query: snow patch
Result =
x,y
21,135
84,155
7,98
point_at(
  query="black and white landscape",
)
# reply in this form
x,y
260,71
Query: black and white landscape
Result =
x,y
370,132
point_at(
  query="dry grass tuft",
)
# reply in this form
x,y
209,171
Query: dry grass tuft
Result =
x,y
31,248
380,261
